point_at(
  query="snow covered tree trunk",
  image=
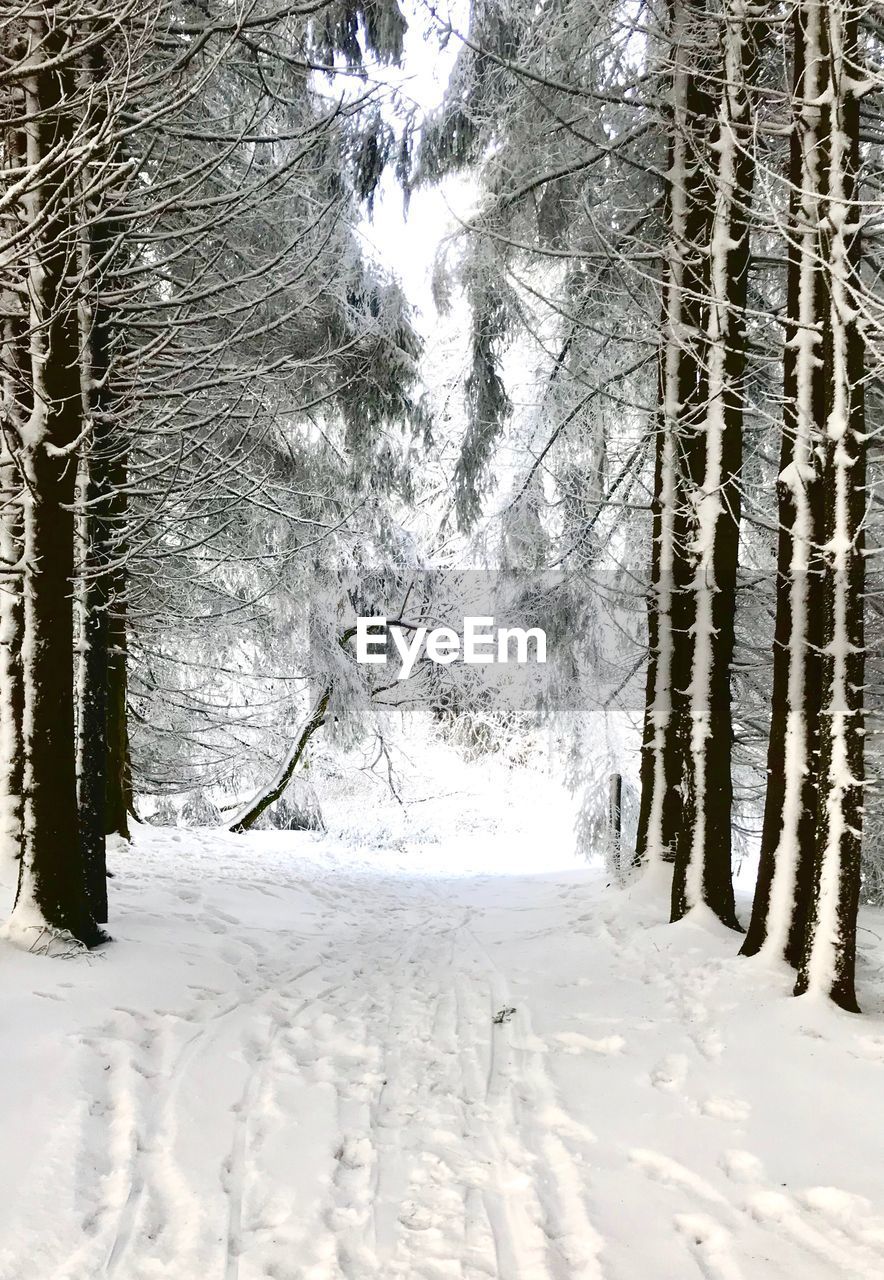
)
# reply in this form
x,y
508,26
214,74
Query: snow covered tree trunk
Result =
x,y
119,801
686,786
13,352
52,885
782,895
98,247
660,812
11,701
660,809
808,887
714,446
828,960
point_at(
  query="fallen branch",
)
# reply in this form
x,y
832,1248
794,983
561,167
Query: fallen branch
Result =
x,y
250,813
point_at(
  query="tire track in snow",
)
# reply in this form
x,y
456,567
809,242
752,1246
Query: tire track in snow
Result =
x,y
391,1110
448,1161
147,1209
159,1205
465,1116
433,1178
406,1118
233,1170
572,1243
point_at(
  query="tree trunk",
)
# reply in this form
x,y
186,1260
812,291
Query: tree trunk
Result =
x,y
12,699
98,505
660,812
14,358
782,894
829,955
52,884
686,786
52,891
119,800
93,683
808,888
713,452
660,807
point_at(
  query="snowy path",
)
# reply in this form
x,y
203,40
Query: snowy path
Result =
x,y
289,1068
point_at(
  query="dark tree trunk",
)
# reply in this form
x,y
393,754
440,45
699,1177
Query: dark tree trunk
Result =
x,y
98,510
11,622
808,889
779,917
660,809
713,433
53,870
18,403
93,684
699,111
119,801
829,956
52,884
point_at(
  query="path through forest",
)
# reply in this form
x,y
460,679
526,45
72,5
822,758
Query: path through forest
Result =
x,y
288,1066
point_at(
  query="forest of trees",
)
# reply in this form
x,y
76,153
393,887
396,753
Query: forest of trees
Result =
x,y
212,393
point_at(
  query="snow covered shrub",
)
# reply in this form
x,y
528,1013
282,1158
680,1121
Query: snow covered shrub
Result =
x,y
199,810
297,810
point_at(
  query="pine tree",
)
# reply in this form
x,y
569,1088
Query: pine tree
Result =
x,y
52,891
782,894
831,34
809,877
713,447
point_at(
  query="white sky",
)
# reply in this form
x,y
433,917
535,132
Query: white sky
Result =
x,y
407,246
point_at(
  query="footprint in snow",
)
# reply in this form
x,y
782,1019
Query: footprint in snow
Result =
x,y
671,1173
711,1243
671,1073
355,1152
742,1166
710,1045
835,1203
416,1217
870,1047
734,1109
574,1042
847,1212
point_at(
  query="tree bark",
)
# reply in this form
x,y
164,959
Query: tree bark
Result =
x,y
52,891
17,403
783,889
808,888
99,500
660,812
11,686
714,407
119,797
829,954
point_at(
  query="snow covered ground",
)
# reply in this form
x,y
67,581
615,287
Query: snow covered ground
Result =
x,y
287,1066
